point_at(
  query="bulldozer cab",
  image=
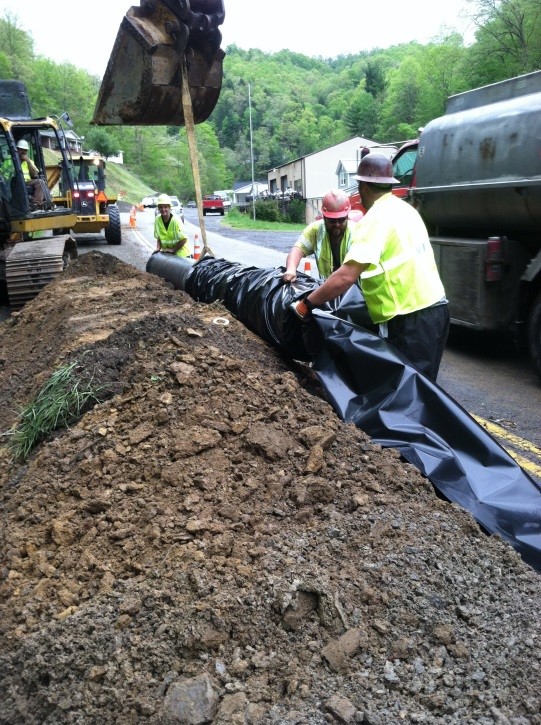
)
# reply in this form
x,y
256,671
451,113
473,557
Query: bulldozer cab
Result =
x,y
14,101
26,204
143,80
90,168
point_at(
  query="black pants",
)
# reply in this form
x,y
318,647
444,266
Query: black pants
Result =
x,y
421,337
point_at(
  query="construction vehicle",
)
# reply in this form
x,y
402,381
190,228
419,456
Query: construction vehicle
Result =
x,y
29,259
474,175
213,204
85,194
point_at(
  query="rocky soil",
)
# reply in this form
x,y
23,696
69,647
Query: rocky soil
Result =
x,y
210,544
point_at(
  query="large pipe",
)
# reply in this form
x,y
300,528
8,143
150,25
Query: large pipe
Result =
x,y
370,384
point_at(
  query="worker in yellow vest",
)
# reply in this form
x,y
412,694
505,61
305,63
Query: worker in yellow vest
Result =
x,y
391,253
169,231
31,174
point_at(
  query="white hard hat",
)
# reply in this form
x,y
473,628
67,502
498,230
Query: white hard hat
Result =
x,y
22,144
163,200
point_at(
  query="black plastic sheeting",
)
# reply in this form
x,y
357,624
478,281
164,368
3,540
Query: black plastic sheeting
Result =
x,y
371,385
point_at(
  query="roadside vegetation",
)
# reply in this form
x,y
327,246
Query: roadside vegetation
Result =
x,y
244,220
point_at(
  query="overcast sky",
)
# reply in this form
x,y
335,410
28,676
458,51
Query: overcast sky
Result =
x,y
83,33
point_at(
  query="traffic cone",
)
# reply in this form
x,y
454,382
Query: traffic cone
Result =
x,y
307,267
196,247
133,220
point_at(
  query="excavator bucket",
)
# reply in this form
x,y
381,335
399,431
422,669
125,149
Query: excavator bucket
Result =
x,y
143,80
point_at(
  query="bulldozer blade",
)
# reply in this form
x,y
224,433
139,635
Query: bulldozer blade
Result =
x,y
142,82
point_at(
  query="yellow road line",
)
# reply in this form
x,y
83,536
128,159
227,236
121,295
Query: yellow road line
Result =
x,y
526,464
497,430
521,443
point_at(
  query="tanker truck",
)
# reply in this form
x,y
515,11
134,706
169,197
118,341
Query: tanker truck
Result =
x,y
474,174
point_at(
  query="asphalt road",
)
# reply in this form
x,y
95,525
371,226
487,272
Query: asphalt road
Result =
x,y
278,241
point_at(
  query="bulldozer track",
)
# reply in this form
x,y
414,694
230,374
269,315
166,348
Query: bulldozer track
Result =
x,y
30,266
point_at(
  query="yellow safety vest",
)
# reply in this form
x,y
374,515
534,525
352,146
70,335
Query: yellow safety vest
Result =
x,y
172,235
26,171
402,276
315,240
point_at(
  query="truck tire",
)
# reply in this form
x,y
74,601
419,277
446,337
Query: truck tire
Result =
x,y
222,212
204,212
534,334
112,230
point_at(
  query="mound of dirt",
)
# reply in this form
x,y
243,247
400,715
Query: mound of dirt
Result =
x,y
210,544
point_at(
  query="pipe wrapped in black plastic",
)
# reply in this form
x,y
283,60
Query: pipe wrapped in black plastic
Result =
x,y
370,384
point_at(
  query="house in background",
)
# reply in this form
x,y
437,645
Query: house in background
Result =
x,y
313,175
74,145
250,190
74,142
118,158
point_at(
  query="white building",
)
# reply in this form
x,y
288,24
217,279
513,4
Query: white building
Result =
x,y
251,190
315,174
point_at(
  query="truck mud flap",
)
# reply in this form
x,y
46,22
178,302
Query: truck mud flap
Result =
x,y
369,384
142,82
30,266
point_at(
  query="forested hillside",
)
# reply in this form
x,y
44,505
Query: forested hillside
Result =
x,y
299,104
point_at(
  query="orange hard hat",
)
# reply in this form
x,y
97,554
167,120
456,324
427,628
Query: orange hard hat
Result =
x,y
336,204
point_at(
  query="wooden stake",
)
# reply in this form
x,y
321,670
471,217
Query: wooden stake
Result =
x,y
190,131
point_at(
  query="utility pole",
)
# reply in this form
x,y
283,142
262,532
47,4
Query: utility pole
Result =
x,y
251,150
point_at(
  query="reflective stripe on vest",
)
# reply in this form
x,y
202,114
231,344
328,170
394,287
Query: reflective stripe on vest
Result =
x,y
389,264
405,278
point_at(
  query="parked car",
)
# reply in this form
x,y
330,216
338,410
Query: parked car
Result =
x,y
212,204
176,207
191,205
149,202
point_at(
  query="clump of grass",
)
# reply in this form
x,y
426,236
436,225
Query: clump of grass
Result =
x,y
61,401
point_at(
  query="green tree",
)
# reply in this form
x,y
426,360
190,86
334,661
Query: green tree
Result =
x,y
98,139
17,45
508,40
361,116
400,108
374,79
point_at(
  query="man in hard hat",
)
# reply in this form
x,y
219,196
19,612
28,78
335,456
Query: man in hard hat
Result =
x,y
169,231
328,239
31,174
391,253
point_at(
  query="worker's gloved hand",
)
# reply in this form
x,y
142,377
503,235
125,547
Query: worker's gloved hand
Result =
x,y
290,275
301,309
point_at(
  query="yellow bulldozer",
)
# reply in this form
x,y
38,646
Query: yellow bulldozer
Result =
x,y
85,193
29,257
